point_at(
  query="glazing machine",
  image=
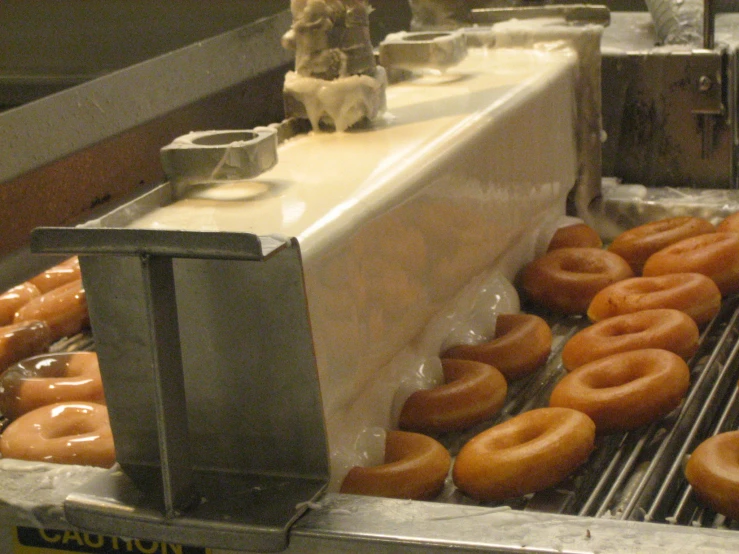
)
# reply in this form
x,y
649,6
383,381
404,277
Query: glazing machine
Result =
x,y
261,287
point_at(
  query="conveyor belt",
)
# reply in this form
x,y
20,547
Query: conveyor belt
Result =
x,y
636,475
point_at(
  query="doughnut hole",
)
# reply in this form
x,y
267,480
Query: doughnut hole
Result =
x,y
63,433
69,429
48,378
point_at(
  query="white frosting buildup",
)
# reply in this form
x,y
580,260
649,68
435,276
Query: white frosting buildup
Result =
x,y
342,102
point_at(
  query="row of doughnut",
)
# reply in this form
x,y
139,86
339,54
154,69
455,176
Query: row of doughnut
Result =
x,y
685,264
53,401
647,295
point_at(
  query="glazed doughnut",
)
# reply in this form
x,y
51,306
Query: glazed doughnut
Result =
x,y
713,472
664,328
64,309
55,277
638,243
415,468
473,392
528,453
62,433
692,293
566,279
521,344
715,255
730,224
626,390
49,378
21,340
577,235
15,298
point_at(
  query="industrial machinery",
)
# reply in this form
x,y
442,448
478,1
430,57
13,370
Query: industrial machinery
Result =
x,y
257,308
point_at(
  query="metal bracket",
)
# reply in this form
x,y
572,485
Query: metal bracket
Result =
x,y
219,427
704,79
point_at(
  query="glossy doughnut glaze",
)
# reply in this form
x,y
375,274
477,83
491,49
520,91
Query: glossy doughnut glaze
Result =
x,y
577,235
565,280
21,340
715,255
473,392
692,293
713,472
415,468
625,390
667,329
63,433
50,378
15,298
521,344
55,277
64,309
638,243
528,453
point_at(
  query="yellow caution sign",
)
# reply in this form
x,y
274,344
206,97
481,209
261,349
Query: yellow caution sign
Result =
x,y
29,540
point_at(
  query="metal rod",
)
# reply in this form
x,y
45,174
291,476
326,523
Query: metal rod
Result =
x,y
697,388
169,384
718,428
705,409
709,19
156,242
613,466
626,468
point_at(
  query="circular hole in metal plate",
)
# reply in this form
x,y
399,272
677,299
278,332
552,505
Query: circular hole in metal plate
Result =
x,y
224,138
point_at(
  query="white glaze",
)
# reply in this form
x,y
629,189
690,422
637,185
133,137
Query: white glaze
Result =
x,y
393,222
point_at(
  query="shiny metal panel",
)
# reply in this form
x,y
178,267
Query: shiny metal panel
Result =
x,y
99,109
345,523
668,112
206,353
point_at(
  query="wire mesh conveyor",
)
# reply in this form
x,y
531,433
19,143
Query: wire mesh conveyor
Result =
x,y
638,475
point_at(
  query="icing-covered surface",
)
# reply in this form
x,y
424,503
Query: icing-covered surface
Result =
x,y
552,34
325,182
469,317
449,191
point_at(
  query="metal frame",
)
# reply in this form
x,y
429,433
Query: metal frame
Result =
x,y
174,488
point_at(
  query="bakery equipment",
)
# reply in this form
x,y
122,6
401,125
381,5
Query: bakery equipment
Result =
x,y
669,110
525,111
